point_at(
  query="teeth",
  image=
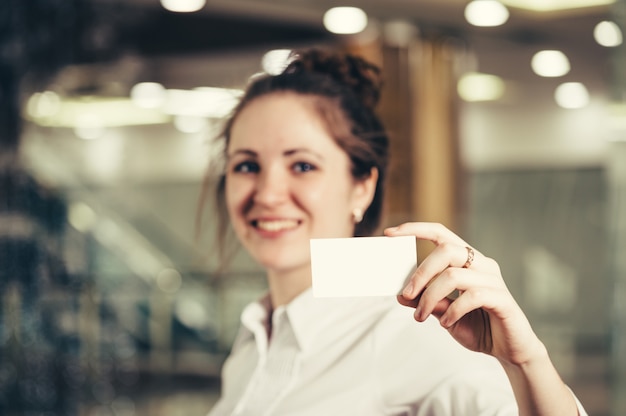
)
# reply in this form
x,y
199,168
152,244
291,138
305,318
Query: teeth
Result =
x,y
277,225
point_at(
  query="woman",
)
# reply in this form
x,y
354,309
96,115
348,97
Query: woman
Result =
x,y
306,157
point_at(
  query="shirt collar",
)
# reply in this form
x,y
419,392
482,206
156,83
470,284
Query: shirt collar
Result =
x,y
311,317
254,324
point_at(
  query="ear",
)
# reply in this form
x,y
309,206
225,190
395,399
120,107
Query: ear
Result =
x,y
364,190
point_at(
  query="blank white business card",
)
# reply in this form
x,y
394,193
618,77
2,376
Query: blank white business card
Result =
x,y
362,266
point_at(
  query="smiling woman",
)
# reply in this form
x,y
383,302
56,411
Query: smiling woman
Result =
x,y
289,182
342,110
306,157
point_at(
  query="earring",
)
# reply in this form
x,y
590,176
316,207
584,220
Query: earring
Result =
x,y
357,215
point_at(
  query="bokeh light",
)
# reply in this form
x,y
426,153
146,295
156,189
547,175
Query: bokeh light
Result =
x,y
148,95
571,95
486,13
81,216
475,86
275,61
550,63
345,20
183,6
608,34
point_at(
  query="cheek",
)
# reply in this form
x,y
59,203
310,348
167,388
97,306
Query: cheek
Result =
x,y
329,199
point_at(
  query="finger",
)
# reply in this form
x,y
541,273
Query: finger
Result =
x,y
435,232
442,257
469,300
412,303
440,308
449,281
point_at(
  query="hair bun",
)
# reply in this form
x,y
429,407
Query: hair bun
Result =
x,y
363,77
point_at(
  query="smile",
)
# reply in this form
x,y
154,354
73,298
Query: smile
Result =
x,y
275,225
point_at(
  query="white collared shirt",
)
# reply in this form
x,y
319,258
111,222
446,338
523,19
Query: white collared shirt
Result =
x,y
359,356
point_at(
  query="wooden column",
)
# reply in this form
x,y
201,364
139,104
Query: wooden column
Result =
x,y
435,156
395,110
434,138
418,107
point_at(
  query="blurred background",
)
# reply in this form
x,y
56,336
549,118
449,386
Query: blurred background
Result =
x,y
508,122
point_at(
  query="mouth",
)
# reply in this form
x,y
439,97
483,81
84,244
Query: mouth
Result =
x,y
275,225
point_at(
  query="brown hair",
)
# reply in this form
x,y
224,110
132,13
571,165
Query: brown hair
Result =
x,y
348,90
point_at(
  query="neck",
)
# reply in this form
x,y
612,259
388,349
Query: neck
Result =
x,y
284,286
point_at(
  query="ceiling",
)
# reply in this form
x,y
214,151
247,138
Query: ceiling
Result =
x,y
144,27
128,41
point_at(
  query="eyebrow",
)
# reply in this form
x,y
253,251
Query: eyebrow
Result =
x,y
292,152
289,152
245,152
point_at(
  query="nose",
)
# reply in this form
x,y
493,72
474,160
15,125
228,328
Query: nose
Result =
x,y
271,188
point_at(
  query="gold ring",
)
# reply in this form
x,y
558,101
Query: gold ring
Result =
x,y
470,257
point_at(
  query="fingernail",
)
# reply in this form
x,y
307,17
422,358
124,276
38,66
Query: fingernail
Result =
x,y
392,229
408,290
418,313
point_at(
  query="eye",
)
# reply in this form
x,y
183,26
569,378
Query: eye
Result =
x,y
301,167
247,166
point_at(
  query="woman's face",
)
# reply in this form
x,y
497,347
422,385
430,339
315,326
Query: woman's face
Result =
x,y
288,181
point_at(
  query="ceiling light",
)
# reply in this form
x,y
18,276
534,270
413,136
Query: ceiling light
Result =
x,y
608,34
475,86
345,20
148,104
191,313
550,63
275,61
486,13
571,95
201,102
183,6
148,94
554,5
81,216
43,104
89,113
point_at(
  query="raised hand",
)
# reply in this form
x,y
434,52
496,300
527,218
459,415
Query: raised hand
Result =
x,y
465,290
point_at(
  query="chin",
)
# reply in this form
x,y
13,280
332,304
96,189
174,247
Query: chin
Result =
x,y
283,265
